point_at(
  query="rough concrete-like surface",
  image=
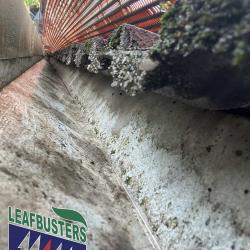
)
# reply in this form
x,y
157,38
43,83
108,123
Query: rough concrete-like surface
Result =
x,y
19,37
49,157
20,44
10,69
188,169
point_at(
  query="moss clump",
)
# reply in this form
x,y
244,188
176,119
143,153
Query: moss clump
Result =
x,y
215,26
87,46
128,180
240,57
166,5
114,40
144,201
30,3
204,53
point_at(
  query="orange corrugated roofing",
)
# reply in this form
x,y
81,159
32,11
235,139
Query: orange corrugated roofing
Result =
x,y
74,21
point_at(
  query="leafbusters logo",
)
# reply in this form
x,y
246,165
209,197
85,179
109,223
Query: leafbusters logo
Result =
x,y
32,231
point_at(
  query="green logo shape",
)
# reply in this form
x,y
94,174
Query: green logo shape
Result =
x,y
70,215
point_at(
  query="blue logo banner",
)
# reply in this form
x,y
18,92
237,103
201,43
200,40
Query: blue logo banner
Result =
x,y
26,239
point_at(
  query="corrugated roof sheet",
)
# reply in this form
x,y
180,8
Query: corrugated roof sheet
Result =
x,y
75,21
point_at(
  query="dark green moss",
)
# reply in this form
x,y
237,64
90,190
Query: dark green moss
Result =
x,y
204,52
87,46
128,180
215,26
114,40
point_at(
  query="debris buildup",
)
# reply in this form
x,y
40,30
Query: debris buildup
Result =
x,y
201,57
123,55
204,53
